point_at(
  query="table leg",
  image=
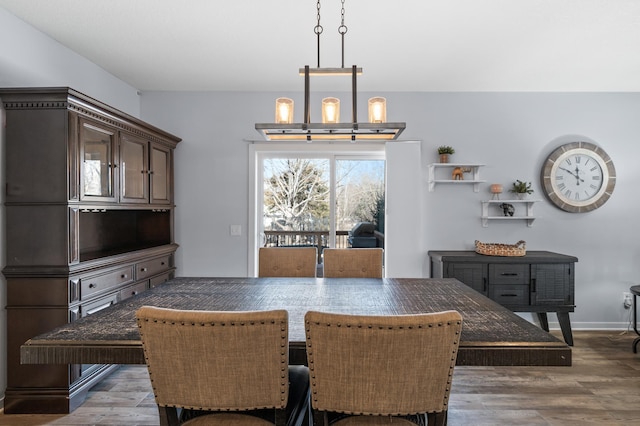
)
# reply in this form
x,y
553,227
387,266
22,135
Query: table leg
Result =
x,y
544,322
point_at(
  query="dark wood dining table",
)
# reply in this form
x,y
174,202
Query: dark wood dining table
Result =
x,y
491,334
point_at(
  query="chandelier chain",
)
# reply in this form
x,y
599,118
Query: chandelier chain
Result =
x,y
318,29
342,29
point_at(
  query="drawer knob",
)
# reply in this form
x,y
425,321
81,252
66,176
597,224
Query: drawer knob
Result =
x,y
143,269
92,285
123,276
162,263
133,293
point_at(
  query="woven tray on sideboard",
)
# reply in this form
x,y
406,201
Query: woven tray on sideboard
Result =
x,y
493,249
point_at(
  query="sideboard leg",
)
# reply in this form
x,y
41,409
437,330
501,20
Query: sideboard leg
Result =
x,y
565,326
544,322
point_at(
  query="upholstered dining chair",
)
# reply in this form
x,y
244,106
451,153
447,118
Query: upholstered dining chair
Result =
x,y
287,261
381,369
222,368
352,263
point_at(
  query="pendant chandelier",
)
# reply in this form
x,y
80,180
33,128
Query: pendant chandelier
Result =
x,y
331,128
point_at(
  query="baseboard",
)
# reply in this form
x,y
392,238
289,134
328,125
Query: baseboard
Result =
x,y
594,326
580,325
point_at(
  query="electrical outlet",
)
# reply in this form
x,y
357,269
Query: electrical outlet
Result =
x,y
628,302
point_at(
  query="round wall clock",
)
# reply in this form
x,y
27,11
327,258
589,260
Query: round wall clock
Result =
x,y
578,177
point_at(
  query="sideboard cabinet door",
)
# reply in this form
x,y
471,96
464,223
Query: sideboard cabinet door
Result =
x,y
160,173
98,153
552,284
146,171
472,274
134,169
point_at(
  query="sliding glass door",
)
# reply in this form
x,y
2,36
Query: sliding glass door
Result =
x,y
316,199
359,195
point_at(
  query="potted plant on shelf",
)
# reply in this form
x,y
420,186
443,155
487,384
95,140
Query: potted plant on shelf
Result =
x,y
521,189
444,152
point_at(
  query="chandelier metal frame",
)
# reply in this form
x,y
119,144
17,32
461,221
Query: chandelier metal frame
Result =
x,y
352,131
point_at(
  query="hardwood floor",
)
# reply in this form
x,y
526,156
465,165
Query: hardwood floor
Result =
x,y
601,387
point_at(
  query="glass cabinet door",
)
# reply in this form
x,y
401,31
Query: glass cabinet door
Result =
x,y
160,175
134,180
97,150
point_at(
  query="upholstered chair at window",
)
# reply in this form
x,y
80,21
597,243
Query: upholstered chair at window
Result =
x,y
352,263
222,368
377,370
287,262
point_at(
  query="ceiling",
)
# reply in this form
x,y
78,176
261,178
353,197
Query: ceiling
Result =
x,y
402,45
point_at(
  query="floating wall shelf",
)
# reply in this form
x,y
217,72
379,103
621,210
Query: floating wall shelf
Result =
x,y
528,214
434,175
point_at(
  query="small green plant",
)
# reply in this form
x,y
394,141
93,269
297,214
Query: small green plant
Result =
x,y
446,150
520,187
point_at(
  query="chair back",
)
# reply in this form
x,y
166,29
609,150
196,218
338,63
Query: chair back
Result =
x,y
382,365
223,361
287,261
352,263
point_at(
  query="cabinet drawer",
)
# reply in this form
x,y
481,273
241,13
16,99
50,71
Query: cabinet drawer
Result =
x,y
510,294
99,283
156,281
152,267
508,274
98,305
132,290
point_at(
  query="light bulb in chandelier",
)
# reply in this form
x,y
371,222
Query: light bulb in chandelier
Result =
x,y
284,111
377,110
330,110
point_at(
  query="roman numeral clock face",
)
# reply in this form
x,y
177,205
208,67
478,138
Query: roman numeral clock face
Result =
x,y
578,177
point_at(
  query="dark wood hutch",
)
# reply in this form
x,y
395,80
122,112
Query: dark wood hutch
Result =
x,y
89,222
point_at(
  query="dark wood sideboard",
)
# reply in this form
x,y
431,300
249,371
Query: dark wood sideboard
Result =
x,y
540,281
89,223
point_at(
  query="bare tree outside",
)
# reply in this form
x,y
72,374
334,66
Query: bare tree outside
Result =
x,y
359,192
297,198
296,194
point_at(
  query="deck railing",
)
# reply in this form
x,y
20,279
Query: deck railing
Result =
x,y
318,239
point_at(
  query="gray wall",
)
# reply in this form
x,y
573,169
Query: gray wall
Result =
x,y
30,58
511,133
